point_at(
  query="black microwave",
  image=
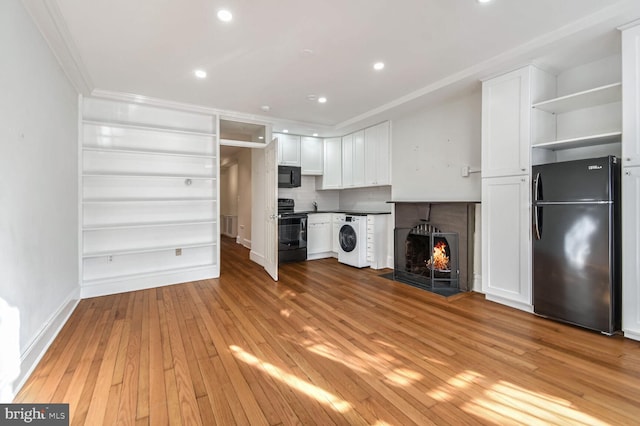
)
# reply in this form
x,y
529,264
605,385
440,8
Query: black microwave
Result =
x,y
289,177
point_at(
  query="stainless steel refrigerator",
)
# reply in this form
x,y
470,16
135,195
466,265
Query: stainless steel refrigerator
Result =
x,y
576,242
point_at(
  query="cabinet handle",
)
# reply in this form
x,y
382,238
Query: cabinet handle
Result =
x,y
628,158
524,170
628,173
522,180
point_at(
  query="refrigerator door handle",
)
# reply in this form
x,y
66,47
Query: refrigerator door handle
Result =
x,y
536,188
537,221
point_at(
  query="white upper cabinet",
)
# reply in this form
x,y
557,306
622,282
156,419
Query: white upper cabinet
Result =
x,y
377,149
347,161
506,124
288,150
631,96
332,168
359,159
311,155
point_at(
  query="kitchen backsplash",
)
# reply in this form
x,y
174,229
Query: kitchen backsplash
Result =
x,y
357,199
306,194
366,199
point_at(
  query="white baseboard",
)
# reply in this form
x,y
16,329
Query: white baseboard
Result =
x,y
149,281
477,283
631,334
246,243
39,345
513,304
317,256
256,257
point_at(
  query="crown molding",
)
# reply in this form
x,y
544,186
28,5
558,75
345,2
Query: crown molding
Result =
x,y
48,19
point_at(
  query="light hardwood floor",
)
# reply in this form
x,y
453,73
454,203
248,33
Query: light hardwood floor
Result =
x,y
328,344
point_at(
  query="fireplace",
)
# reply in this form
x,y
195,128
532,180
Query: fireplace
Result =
x,y
427,257
433,245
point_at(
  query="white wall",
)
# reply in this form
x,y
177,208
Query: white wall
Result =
x,y
38,194
229,190
430,147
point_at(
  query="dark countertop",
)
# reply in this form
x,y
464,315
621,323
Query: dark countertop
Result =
x,y
349,212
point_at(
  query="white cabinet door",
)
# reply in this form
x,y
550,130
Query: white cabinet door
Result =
x,y
288,150
311,155
631,252
506,124
347,161
506,241
377,167
332,174
631,97
319,234
358,159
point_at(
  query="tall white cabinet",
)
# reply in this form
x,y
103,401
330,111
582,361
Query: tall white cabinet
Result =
x,y
631,182
506,145
149,197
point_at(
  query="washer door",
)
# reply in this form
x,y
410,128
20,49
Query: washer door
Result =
x,y
348,238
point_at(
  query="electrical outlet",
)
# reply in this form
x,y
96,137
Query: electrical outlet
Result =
x,y
110,259
178,252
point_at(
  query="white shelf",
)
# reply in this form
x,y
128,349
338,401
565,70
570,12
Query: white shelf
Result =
x,y
148,200
586,99
145,175
148,152
144,250
142,127
146,225
146,274
591,140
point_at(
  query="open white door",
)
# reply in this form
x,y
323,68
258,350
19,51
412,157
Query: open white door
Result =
x,y
271,209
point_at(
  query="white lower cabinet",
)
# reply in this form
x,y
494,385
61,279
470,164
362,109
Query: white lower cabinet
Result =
x,y
337,220
377,229
631,252
506,241
319,241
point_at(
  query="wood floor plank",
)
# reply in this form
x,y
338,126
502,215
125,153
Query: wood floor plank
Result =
x,y
328,344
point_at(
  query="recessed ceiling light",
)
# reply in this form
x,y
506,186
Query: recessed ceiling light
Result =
x,y
378,66
260,137
484,1
225,15
265,107
200,73
285,131
322,99
315,134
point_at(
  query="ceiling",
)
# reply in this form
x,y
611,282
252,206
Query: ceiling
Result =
x,y
279,53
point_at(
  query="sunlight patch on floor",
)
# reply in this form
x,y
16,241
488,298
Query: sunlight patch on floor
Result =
x,y
285,312
459,381
507,403
300,385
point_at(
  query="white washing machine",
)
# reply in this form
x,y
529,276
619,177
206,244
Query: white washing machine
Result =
x,y
352,241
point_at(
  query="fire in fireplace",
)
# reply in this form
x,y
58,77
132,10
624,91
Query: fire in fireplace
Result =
x,y
429,257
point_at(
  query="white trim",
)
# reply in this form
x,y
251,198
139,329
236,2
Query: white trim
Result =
x,y
246,243
47,17
123,285
242,144
34,352
511,303
632,334
257,258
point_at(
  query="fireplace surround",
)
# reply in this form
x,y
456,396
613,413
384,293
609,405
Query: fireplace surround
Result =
x,y
425,231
